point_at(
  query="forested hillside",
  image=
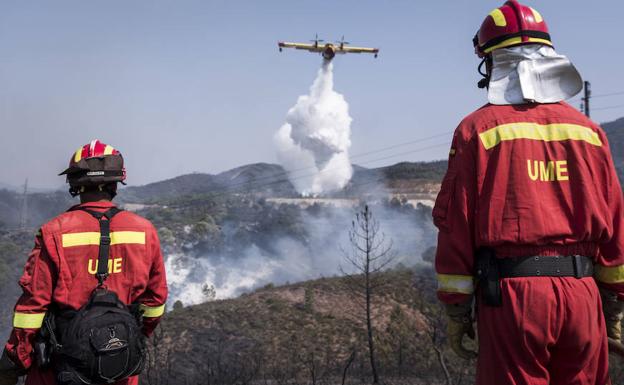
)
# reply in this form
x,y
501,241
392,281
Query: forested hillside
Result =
x,y
310,333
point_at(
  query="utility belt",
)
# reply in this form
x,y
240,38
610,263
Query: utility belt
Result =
x,y
490,270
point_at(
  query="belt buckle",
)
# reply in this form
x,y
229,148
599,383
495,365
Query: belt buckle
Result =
x,y
577,262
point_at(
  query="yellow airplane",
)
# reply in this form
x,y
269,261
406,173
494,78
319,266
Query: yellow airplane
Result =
x,y
328,50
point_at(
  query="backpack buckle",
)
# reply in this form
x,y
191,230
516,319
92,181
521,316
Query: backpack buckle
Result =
x,y
105,240
101,278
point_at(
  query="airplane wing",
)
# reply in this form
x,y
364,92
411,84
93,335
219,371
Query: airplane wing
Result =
x,y
307,47
349,49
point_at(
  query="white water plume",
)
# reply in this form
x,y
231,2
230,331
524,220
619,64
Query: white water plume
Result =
x,y
313,145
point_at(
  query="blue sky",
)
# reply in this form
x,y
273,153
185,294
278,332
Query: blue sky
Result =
x,y
183,86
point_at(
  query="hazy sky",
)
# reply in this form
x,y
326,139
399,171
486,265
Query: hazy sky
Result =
x,y
183,86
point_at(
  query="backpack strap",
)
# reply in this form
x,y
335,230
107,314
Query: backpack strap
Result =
x,y
105,240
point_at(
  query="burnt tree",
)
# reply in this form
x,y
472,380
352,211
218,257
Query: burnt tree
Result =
x,y
370,253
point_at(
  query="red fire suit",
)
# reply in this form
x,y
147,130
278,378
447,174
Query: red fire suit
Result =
x,y
61,270
534,179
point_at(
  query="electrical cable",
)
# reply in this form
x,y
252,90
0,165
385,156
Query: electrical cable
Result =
x,y
608,108
252,187
288,174
607,95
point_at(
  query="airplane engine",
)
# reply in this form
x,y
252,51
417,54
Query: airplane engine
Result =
x,y
329,53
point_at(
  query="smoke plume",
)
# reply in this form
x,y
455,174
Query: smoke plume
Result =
x,y
277,258
313,144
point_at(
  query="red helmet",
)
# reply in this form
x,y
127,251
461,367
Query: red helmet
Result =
x,y
511,25
94,164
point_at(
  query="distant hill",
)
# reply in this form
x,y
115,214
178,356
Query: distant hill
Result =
x,y
411,179
311,332
6,186
615,133
254,178
41,207
259,179
31,189
272,180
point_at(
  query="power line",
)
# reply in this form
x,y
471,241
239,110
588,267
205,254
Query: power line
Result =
x,y
588,95
253,186
379,180
288,174
402,144
377,151
581,98
608,108
606,95
250,188
408,152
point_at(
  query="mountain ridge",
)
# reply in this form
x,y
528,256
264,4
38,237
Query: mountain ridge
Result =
x,y
273,180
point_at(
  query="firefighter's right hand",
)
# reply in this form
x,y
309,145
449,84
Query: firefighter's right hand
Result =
x,y
460,325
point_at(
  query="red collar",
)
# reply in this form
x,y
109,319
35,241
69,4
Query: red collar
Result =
x,y
94,205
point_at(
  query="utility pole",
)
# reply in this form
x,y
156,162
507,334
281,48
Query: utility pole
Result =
x,y
586,98
24,211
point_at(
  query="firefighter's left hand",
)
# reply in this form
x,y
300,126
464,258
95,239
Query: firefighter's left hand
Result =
x,y
614,328
460,325
613,310
8,377
9,372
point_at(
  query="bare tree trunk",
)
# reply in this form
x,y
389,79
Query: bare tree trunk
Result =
x,y
346,368
312,368
369,326
370,255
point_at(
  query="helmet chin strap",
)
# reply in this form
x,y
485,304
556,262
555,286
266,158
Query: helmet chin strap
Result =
x,y
485,82
74,191
105,188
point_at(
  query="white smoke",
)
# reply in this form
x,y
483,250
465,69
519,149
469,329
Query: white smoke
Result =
x,y
293,260
313,145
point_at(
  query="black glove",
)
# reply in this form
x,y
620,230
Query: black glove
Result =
x,y
9,372
460,324
613,310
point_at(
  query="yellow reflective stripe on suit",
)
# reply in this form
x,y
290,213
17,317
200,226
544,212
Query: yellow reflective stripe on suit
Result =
x,y
152,311
544,132
614,274
28,320
449,283
93,238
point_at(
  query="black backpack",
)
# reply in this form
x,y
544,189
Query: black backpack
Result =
x,y
102,342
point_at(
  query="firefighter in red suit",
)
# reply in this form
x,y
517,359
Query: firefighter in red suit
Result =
x,y
530,218
60,272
